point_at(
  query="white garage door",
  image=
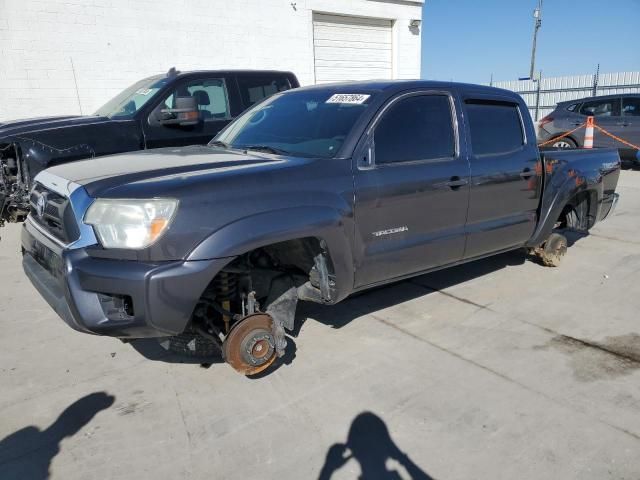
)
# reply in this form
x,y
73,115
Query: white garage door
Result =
x,y
351,48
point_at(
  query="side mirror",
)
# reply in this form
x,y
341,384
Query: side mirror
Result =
x,y
186,113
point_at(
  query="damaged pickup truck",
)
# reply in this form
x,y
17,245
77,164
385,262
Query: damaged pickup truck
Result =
x,y
313,194
176,109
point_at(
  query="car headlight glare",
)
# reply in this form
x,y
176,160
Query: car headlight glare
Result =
x,y
132,224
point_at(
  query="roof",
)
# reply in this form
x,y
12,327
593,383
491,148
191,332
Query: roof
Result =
x,y
399,85
175,74
599,97
232,71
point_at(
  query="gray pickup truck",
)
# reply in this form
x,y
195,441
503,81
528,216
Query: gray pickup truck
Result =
x,y
312,194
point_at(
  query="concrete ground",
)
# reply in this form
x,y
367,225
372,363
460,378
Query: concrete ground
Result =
x,y
500,369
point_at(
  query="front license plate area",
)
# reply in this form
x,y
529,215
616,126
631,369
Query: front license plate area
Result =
x,y
47,258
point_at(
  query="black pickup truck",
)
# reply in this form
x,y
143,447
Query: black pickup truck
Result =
x,y
313,194
176,109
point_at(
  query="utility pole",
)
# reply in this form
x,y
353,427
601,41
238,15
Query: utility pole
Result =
x,y
539,87
537,23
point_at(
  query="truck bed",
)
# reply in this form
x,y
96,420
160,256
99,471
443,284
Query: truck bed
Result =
x,y
590,173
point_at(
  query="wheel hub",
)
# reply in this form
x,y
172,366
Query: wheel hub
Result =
x,y
554,249
250,345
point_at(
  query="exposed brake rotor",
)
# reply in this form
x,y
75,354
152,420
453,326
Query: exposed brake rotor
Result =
x,y
250,347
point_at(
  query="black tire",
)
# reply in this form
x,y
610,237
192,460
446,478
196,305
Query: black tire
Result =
x,y
194,346
566,143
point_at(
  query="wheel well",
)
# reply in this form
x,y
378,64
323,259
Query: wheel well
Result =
x,y
296,255
568,137
302,260
260,276
580,212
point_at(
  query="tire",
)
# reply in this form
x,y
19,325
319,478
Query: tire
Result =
x,y
194,346
564,143
572,221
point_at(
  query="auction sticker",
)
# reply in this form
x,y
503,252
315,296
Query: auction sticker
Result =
x,y
350,98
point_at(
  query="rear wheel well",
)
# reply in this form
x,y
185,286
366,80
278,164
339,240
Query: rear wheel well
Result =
x,y
570,138
580,212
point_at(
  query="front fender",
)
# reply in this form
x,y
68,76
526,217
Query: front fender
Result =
x,y
281,225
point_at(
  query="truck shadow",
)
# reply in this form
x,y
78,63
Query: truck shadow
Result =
x,y
27,453
370,444
379,298
151,349
574,236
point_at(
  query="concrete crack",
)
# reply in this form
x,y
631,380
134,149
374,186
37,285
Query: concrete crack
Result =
x,y
450,295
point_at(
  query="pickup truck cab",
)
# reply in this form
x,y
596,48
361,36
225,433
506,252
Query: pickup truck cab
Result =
x,y
313,194
176,109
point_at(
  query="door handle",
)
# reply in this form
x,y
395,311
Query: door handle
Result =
x,y
526,173
456,182
623,124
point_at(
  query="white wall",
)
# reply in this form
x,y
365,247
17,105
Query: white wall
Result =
x,y
113,43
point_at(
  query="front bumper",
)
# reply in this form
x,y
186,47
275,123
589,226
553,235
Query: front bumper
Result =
x,y
86,292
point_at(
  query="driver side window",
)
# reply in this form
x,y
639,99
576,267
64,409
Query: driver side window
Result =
x,y
414,129
211,98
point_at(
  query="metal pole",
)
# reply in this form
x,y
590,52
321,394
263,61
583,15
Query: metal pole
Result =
x,y
538,96
596,79
537,23
75,81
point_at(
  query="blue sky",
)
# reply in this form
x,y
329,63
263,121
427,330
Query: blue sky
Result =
x,y
468,40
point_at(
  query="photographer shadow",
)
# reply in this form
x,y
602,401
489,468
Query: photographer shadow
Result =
x,y
28,453
370,444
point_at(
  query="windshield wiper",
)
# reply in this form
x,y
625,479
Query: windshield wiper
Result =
x,y
265,148
218,143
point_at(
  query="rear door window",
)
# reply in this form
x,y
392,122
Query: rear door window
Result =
x,y
256,88
495,127
415,128
601,108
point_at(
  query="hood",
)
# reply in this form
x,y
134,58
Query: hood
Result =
x,y
100,174
30,125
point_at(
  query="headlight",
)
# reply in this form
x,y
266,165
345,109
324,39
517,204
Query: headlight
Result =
x,y
131,224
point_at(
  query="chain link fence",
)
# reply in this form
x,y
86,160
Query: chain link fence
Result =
x,y
542,95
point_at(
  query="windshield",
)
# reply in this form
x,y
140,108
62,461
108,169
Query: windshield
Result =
x,y
129,101
311,123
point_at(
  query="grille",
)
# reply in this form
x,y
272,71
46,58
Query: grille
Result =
x,y
53,212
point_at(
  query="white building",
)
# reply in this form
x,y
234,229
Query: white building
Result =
x,y
71,56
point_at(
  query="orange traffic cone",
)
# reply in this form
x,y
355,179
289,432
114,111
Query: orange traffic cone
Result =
x,y
588,133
